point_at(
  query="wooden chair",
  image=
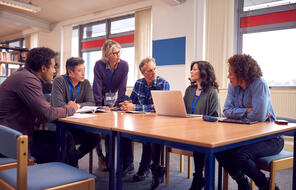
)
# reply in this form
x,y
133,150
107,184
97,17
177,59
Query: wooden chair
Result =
x,y
272,164
9,163
167,162
53,175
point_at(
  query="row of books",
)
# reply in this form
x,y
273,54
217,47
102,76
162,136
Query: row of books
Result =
x,y
9,56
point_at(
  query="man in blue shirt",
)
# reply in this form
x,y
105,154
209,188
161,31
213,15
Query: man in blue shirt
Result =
x,y
141,100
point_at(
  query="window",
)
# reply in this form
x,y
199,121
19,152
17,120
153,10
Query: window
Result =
x,y
75,43
267,31
94,30
93,36
123,25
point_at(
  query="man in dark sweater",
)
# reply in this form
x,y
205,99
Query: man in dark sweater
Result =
x,y
22,99
74,87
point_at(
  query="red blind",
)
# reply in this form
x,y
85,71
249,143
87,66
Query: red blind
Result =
x,y
272,18
99,43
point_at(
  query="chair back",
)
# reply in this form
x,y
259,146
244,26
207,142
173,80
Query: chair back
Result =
x,y
8,141
15,145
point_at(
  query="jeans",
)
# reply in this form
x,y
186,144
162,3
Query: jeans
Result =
x,y
43,147
151,151
146,156
126,150
87,142
242,159
199,162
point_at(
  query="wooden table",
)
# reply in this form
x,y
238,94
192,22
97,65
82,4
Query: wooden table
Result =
x,y
192,134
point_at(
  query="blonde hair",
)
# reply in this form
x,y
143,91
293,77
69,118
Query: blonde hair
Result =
x,y
107,49
145,61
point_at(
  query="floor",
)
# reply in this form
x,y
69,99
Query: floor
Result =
x,y
178,181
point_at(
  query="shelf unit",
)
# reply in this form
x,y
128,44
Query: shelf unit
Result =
x,y
20,62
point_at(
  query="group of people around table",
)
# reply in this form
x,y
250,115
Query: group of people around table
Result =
x,y
22,101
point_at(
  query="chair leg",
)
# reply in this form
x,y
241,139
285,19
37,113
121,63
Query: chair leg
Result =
x,y
272,177
181,163
253,184
167,167
90,169
189,167
225,180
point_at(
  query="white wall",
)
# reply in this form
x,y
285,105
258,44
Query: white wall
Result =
x,y
169,21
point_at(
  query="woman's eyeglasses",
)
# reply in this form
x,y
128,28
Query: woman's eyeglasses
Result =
x,y
116,53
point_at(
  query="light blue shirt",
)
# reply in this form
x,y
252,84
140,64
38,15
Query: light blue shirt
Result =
x,y
255,96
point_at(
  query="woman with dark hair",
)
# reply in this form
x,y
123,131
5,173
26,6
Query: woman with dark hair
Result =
x,y
248,98
201,97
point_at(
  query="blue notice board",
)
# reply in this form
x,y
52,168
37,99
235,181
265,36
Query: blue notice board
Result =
x,y
169,51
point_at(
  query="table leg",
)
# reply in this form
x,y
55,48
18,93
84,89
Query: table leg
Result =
x,y
111,159
219,176
294,162
209,170
60,141
118,168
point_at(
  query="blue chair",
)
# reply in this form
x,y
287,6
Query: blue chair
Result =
x,y
272,164
53,175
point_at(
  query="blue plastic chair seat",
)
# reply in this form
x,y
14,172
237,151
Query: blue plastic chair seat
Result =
x,y
6,160
43,176
266,161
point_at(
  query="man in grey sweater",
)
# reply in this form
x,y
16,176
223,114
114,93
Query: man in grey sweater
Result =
x,y
74,87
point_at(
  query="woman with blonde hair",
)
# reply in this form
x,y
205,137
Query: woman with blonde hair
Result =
x,y
110,77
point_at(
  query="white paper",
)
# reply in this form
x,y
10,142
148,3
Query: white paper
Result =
x,y
87,109
79,116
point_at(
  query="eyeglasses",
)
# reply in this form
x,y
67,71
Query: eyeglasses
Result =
x,y
150,70
116,53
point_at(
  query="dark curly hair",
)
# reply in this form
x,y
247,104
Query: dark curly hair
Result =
x,y
38,57
245,67
207,74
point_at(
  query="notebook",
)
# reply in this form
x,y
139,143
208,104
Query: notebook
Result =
x,y
238,121
170,103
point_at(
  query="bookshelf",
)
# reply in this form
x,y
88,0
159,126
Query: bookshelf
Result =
x,y
11,56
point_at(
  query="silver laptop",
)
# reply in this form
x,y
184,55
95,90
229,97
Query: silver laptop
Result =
x,y
170,103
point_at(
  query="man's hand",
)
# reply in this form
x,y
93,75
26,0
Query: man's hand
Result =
x,y
127,106
74,105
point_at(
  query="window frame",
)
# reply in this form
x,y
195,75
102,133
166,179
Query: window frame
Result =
x,y
240,13
21,40
107,36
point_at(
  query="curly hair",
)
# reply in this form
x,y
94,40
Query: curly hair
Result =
x,y
207,75
245,68
38,57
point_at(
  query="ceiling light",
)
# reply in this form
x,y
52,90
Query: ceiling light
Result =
x,y
20,5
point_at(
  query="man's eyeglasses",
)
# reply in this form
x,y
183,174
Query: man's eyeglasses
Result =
x,y
116,53
150,70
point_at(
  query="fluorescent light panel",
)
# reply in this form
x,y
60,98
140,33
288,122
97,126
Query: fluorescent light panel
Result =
x,y
20,5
